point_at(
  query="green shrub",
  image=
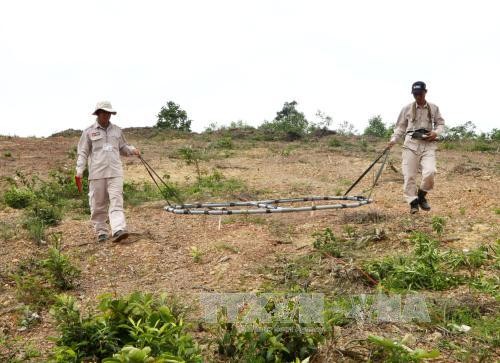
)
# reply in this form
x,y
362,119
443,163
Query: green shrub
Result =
x,y
224,143
32,289
49,214
438,224
424,269
138,193
62,272
36,229
274,341
18,198
334,142
215,184
387,350
327,243
139,320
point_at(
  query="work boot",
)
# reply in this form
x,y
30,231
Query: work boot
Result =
x,y
120,235
414,206
102,237
422,202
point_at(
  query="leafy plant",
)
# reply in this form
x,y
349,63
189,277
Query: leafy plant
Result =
x,y
224,143
438,224
424,269
36,229
215,184
387,350
140,321
192,156
60,268
46,213
138,193
196,254
18,198
327,243
277,340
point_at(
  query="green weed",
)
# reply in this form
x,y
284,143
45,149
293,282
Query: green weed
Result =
x,y
61,271
135,194
387,350
424,269
36,229
18,198
282,339
327,243
438,224
196,254
138,320
215,184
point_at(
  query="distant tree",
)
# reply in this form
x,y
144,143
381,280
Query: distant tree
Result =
x,y
288,121
494,134
464,131
324,121
376,127
346,128
172,117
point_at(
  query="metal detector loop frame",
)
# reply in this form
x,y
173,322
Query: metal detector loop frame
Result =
x,y
267,206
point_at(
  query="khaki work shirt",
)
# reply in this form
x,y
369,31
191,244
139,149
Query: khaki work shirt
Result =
x,y
101,148
406,122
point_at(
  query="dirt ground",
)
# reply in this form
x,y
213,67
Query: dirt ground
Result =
x,y
237,251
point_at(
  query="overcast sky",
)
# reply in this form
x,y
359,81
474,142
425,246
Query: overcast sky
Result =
x,y
231,60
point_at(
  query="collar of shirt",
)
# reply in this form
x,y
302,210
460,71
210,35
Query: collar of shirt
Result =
x,y
97,126
424,106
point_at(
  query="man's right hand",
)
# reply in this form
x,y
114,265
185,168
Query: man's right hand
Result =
x,y
391,144
79,183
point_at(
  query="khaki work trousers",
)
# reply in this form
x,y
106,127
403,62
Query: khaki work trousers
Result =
x,y
106,200
418,158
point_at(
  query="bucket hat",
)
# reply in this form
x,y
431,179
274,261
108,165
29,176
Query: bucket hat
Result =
x,y
105,106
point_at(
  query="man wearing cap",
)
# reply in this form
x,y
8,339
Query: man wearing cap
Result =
x,y
101,146
420,123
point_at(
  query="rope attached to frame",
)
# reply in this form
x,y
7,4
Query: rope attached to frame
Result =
x,y
265,206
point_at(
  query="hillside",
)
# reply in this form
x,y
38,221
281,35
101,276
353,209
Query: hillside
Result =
x,y
189,255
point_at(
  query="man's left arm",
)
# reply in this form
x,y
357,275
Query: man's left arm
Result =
x,y
438,127
125,148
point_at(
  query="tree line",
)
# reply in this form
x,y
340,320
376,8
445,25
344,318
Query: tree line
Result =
x,y
292,124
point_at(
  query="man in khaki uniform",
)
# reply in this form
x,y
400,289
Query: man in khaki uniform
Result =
x,y
421,123
100,146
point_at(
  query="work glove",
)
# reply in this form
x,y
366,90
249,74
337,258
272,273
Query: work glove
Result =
x,y
79,184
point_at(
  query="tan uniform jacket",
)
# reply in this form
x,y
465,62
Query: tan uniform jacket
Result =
x,y
406,123
101,148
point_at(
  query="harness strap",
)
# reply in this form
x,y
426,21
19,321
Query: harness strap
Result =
x,y
414,113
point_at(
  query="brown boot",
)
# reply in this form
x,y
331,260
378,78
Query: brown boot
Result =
x,y
422,202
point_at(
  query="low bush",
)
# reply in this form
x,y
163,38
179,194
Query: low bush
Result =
x,y
279,340
61,271
327,243
424,269
388,350
18,198
138,326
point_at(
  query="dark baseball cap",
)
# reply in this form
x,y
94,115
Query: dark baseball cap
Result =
x,y
418,88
